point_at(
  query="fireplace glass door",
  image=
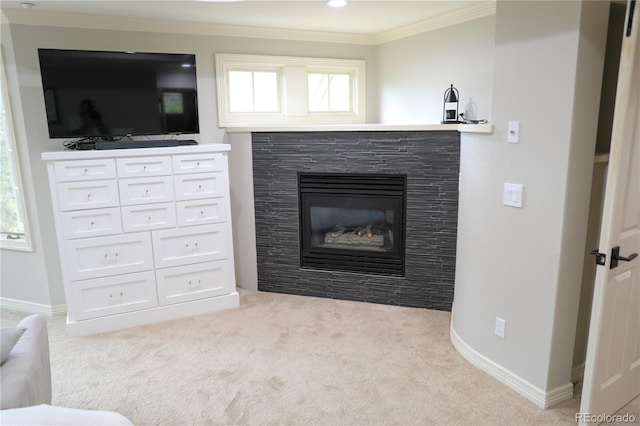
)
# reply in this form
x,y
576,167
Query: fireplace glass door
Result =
x,y
352,222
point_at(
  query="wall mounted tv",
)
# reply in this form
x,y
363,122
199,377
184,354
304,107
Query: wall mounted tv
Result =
x,y
99,94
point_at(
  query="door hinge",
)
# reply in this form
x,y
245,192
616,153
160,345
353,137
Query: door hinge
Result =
x,y
601,258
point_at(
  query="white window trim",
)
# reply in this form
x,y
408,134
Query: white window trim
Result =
x,y
293,90
24,243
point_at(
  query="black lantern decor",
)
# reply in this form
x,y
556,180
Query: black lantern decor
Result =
x,y
450,107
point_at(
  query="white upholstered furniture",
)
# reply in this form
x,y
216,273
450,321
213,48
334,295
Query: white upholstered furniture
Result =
x,y
25,380
44,414
25,376
144,234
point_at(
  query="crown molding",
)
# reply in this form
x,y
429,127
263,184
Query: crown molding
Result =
x,y
459,16
104,22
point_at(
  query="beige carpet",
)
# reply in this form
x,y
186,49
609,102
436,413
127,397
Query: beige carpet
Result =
x,y
281,359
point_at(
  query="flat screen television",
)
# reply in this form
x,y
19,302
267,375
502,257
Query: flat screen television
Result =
x,y
100,94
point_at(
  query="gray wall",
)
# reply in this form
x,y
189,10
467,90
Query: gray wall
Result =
x,y
525,265
542,70
410,75
414,72
27,276
35,277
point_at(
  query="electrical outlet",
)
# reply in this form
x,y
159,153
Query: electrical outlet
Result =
x,y
500,328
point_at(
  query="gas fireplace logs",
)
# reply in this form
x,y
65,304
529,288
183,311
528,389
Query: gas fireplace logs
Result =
x,y
363,237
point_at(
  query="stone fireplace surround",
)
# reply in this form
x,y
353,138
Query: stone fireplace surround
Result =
x,y
430,159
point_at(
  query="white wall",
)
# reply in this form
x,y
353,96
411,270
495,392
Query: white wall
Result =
x,y
414,72
35,277
525,265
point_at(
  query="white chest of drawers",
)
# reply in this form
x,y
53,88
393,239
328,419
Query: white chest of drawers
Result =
x,y
144,234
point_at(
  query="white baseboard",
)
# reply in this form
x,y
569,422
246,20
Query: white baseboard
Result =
x,y
543,399
32,308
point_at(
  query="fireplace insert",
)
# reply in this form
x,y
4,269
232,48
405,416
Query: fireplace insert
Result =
x,y
352,222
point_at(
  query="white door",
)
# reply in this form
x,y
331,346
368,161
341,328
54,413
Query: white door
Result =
x,y
612,368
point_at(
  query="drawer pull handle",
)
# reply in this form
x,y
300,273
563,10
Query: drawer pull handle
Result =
x,y
198,164
195,284
88,197
199,187
92,224
146,192
112,258
144,168
201,213
148,219
85,171
111,296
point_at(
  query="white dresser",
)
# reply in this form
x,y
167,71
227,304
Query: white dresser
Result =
x,y
144,234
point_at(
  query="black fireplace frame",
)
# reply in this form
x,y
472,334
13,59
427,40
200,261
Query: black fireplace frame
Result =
x,y
353,191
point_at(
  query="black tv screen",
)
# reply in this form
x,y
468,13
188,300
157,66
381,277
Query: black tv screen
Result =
x,y
112,94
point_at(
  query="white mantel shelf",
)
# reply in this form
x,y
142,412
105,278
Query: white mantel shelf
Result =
x,y
462,128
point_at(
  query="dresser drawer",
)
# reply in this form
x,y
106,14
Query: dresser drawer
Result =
x,y
88,195
91,223
146,190
148,216
182,246
203,185
192,282
198,163
112,295
200,212
143,166
68,171
104,256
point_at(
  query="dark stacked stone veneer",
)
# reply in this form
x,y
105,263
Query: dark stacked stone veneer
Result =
x,y
431,162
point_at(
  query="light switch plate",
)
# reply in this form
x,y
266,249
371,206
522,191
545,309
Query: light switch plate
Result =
x,y
513,132
500,328
512,195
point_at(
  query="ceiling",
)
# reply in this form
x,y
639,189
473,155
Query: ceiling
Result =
x,y
359,17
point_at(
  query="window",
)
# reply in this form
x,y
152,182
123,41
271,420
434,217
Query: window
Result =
x,y
253,91
13,227
280,90
329,92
